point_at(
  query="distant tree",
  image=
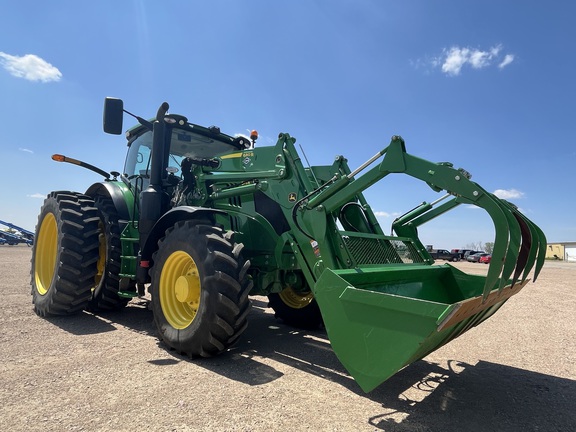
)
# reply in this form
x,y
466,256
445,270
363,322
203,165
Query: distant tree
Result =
x,y
475,246
489,247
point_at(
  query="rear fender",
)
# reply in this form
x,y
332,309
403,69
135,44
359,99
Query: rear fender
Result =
x,y
121,196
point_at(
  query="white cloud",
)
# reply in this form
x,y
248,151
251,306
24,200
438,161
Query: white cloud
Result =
x,y
479,59
454,59
25,150
36,195
508,58
382,214
508,194
30,67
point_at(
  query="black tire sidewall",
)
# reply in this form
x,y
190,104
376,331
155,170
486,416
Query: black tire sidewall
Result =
x,y
222,294
195,328
42,301
76,257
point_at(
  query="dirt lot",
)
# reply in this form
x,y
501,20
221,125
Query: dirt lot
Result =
x,y
515,372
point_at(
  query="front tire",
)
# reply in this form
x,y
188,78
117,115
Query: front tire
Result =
x,y
200,289
64,254
297,309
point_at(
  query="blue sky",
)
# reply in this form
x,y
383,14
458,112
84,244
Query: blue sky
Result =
x,y
486,85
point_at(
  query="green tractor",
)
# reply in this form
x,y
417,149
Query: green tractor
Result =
x,y
203,220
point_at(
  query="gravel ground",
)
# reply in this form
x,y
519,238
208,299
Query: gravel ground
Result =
x,y
515,372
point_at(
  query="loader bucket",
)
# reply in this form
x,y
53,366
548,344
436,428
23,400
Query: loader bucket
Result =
x,y
381,319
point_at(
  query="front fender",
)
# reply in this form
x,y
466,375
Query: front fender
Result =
x,y
169,219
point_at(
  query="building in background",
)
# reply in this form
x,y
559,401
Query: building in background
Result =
x,y
565,251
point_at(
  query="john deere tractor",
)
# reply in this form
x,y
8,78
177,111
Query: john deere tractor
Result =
x,y
203,220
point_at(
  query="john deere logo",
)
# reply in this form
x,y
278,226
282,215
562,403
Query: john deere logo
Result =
x,y
292,197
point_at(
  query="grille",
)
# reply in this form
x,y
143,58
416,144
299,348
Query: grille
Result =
x,y
371,250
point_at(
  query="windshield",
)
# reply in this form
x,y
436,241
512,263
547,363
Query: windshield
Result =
x,y
138,158
183,144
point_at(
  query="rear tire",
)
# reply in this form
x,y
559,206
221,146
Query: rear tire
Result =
x,y
107,281
296,309
64,254
200,289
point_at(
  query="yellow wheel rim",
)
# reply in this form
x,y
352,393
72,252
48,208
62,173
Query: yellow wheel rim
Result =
x,y
295,300
45,254
101,255
179,290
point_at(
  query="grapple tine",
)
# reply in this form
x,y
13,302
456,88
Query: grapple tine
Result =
x,y
541,251
515,236
524,261
502,229
519,244
537,250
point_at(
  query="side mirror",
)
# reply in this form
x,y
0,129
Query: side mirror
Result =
x,y
113,115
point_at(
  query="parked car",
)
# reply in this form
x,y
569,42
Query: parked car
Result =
x,y
476,257
471,252
485,259
443,254
461,252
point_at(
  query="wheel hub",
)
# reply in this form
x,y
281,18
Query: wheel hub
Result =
x,y
180,289
46,252
187,288
294,299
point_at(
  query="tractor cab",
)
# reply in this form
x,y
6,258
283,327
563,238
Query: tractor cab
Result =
x,y
180,148
190,147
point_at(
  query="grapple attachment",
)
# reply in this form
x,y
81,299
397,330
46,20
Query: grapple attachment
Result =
x,y
380,318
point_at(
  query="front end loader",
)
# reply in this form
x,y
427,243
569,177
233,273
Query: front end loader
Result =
x,y
203,220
